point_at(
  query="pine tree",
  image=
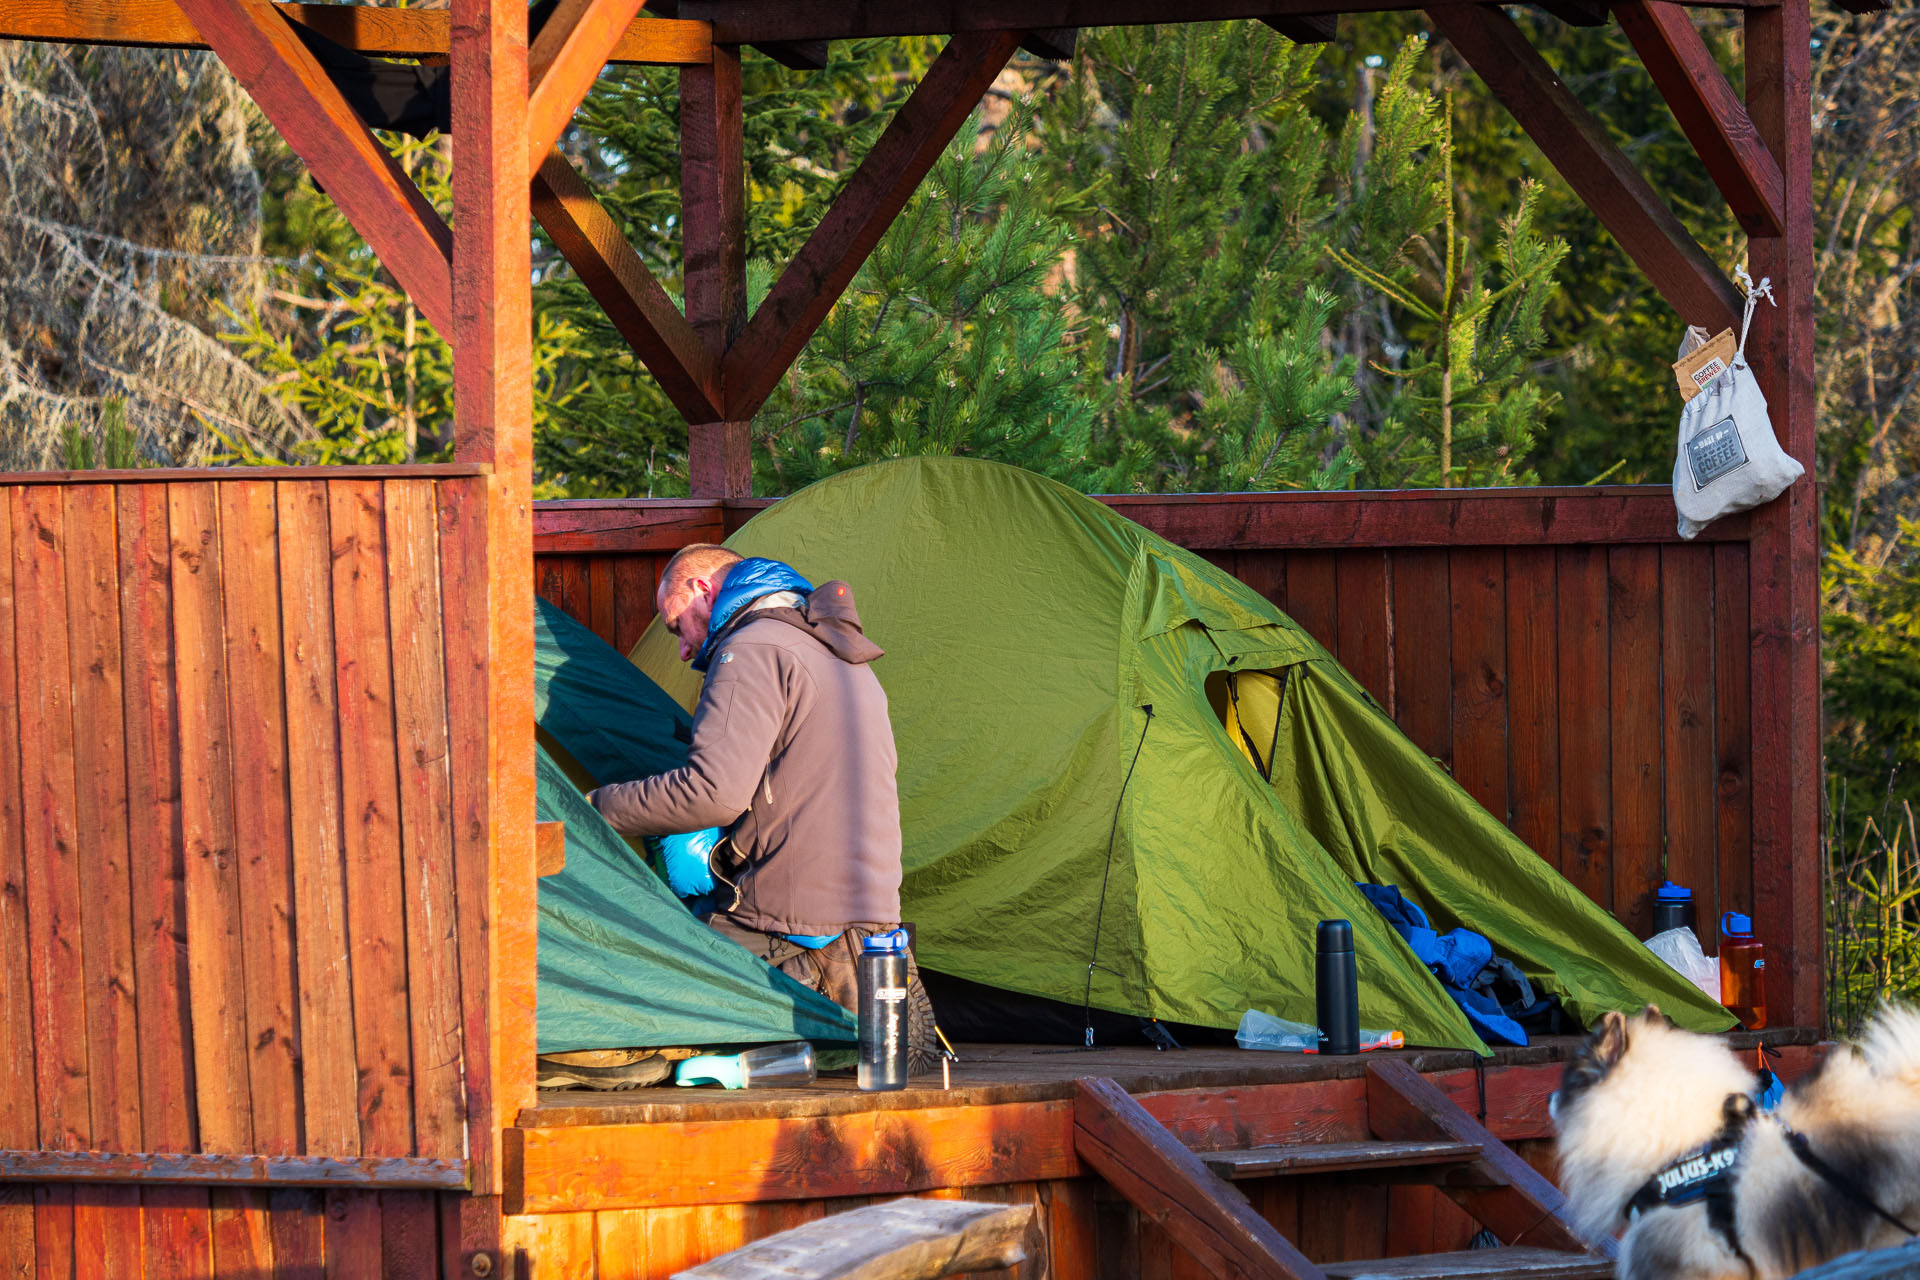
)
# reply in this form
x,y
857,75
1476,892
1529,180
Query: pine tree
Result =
x,y
952,339
1465,409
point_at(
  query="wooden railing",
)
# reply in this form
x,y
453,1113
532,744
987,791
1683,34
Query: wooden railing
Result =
x,y
242,837
1581,670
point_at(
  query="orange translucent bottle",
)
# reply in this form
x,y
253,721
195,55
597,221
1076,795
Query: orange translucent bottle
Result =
x,y
1743,971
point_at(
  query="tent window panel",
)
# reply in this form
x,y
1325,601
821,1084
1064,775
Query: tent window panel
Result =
x,y
1249,704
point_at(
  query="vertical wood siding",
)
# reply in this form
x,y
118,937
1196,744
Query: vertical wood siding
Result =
x,y
230,878
1592,694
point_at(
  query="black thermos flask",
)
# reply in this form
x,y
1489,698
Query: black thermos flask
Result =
x,y
1336,988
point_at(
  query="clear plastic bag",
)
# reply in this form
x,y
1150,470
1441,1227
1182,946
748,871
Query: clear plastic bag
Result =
x,y
1681,950
1264,1031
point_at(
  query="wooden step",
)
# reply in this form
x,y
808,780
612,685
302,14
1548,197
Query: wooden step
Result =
x,y
1335,1157
1521,1263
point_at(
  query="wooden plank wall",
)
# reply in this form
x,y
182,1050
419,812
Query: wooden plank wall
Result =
x,y
1581,670
1091,1233
228,921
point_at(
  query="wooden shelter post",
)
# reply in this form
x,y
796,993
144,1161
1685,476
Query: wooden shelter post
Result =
x,y
493,395
1785,555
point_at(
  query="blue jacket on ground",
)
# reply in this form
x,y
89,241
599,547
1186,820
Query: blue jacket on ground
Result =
x,y
1456,958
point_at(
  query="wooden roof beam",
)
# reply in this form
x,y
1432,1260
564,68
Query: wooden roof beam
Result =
x,y
1597,170
1709,111
757,22
386,208
1306,28
375,30
589,238
826,264
564,60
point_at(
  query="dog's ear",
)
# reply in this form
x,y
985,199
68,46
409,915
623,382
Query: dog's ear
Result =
x,y
1610,1040
1651,1014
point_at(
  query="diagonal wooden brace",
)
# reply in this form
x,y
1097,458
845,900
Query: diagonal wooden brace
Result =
x,y
589,239
1210,1218
1597,170
825,265
1709,111
383,204
563,62
1509,1197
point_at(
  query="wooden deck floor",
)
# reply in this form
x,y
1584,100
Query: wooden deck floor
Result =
x,y
989,1074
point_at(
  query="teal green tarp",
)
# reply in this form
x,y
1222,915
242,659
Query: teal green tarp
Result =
x,y
622,962
1052,823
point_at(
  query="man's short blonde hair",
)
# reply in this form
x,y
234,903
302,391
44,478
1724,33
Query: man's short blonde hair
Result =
x,y
700,560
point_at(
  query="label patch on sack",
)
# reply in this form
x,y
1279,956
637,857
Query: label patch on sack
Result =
x,y
1715,452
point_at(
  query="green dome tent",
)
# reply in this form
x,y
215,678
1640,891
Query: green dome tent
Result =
x,y
1085,713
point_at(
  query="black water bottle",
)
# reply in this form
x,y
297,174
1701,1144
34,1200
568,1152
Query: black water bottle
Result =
x,y
1336,988
883,1011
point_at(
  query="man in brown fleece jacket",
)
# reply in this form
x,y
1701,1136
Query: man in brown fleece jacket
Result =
x,y
793,756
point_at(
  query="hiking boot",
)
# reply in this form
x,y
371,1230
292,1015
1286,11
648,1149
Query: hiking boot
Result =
x,y
602,1069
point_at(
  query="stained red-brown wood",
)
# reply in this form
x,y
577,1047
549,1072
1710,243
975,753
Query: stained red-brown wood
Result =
x,y
1785,556
100,816
1170,1185
1586,795
1687,718
297,1229
1313,595
750,22
493,397
713,203
550,847
53,1239
1266,573
563,61
156,859
1708,111
362,176
380,31
352,1236
562,583
242,1239
1477,586
426,815
18,1116
634,582
720,459
370,802
1533,701
409,1236
1524,1208
1365,605
1070,1229
600,602
216,961
179,1232
1591,162
54,907
638,308
629,525
256,718
1633,646
1732,722
328,1066
106,1233
865,207
463,519
1422,649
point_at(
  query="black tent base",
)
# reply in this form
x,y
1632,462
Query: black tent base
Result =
x,y
969,1011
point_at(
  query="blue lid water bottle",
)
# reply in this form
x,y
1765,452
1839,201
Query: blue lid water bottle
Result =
x,y
882,975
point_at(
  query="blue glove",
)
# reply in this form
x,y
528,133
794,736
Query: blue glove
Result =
x,y
684,861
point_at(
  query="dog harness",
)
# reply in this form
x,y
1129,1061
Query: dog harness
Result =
x,y
1706,1174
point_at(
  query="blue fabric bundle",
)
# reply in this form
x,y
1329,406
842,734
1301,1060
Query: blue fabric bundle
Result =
x,y
1461,960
